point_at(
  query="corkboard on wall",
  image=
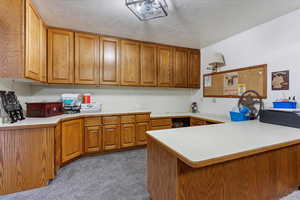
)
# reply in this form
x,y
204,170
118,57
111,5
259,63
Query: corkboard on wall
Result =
x,y
232,83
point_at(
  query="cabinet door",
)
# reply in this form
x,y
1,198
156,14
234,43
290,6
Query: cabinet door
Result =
x,y
127,135
43,54
140,133
93,139
148,65
60,56
194,69
87,63
111,137
180,70
130,63
57,142
33,43
110,66
72,139
165,66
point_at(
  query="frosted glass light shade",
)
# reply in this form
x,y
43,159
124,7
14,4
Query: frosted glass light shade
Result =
x,y
216,60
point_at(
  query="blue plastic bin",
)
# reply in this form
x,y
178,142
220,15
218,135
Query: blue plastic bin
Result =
x,y
288,105
238,117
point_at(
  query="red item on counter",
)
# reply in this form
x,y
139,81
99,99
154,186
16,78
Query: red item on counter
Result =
x,y
86,98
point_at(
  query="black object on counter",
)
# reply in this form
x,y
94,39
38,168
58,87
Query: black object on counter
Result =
x,y
12,106
283,118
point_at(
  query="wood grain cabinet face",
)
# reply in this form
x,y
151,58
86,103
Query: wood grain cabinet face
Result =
x,y
43,53
194,69
110,67
148,65
33,43
57,143
93,139
141,129
127,135
180,70
165,66
60,56
130,63
87,59
72,139
111,137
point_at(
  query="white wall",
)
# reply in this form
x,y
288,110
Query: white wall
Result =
x,y
276,43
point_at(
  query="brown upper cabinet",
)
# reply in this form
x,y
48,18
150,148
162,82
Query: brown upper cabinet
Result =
x,y
194,69
148,65
165,66
130,63
33,43
60,56
43,59
87,59
109,55
180,67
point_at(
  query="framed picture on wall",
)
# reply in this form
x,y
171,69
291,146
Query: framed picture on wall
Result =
x,y
281,80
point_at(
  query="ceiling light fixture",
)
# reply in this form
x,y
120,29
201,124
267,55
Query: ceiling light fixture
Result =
x,y
145,10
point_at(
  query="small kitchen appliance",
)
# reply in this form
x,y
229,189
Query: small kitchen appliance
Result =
x,y
11,106
44,109
71,103
194,107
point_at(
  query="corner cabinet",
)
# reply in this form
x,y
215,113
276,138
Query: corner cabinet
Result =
x,y
194,68
86,59
148,65
72,139
165,66
130,63
180,67
60,56
109,61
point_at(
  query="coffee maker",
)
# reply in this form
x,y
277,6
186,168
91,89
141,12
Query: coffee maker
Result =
x,y
11,105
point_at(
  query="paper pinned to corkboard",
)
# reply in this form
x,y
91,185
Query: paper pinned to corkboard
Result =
x,y
231,81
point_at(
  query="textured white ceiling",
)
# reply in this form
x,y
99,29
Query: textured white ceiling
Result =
x,y
191,23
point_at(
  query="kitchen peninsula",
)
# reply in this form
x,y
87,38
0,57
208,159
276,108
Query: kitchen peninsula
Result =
x,y
247,160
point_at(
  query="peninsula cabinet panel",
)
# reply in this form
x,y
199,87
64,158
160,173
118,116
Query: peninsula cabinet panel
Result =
x,y
93,139
165,66
110,65
141,129
87,59
127,135
180,70
148,65
60,56
130,63
111,137
33,43
72,139
57,143
194,69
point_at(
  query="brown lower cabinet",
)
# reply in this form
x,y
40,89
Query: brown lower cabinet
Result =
x,y
111,137
93,139
140,133
127,135
72,139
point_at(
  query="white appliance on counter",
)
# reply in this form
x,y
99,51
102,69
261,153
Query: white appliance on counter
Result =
x,y
91,108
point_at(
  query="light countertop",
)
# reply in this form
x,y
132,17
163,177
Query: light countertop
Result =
x,y
199,145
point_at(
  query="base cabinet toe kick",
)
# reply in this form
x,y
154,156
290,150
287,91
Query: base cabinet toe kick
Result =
x,y
264,176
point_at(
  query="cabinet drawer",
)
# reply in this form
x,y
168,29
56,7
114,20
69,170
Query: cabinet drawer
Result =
x,y
111,120
92,121
142,118
160,127
198,122
161,122
127,119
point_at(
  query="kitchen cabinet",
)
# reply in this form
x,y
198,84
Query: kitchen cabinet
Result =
x,y
198,122
130,63
57,143
161,123
180,68
110,64
141,129
60,56
33,43
43,53
87,64
194,69
127,135
111,137
165,66
72,139
93,139
148,65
